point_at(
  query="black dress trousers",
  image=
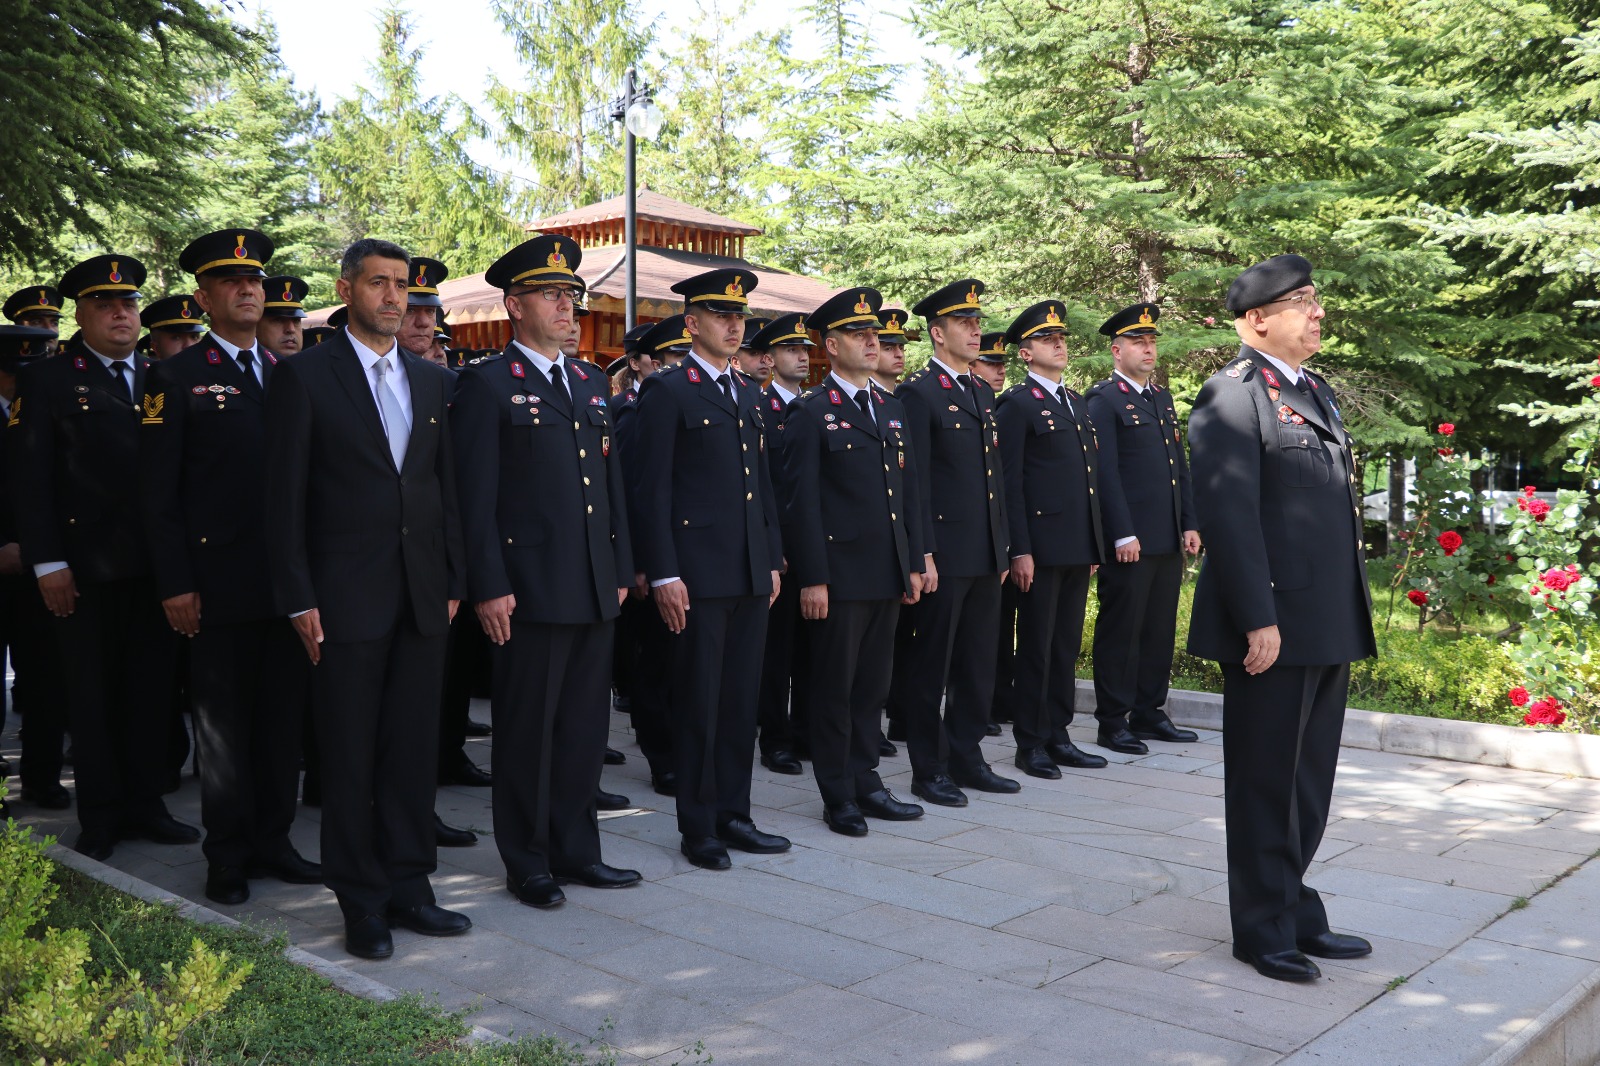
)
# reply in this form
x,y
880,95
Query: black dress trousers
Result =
x,y
1134,637
1049,637
852,646
784,678
950,658
716,675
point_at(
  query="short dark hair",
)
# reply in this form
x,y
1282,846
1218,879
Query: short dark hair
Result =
x,y
358,253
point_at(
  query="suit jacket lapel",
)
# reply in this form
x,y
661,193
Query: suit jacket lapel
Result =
x,y
712,391
347,369
425,392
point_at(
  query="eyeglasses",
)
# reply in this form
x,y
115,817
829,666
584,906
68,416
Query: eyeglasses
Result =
x,y
1305,301
551,293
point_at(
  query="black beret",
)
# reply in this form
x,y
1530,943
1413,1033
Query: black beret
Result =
x,y
1266,281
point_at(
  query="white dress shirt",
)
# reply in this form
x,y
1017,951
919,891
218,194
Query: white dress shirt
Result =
x,y
398,382
233,351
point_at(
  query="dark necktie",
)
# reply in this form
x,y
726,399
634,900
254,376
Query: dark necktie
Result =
x,y
726,381
1149,397
965,379
558,382
124,385
864,403
1303,385
247,359
1061,398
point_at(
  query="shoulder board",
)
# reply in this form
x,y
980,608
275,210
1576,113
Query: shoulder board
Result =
x,y
1097,386
670,368
917,375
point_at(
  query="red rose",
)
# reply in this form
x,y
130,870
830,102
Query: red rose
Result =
x,y
1595,381
1510,558
1518,696
1545,712
1490,581
1447,429
1559,580
1210,321
1529,490
1539,509
1445,453
1450,541
1418,597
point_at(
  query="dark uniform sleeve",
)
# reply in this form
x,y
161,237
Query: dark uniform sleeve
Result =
x,y
161,436
802,505
288,468
1225,434
1185,482
919,427
1113,504
33,463
770,505
1012,420
653,440
475,441
621,529
445,471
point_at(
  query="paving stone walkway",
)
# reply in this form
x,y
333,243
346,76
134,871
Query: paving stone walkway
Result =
x,y
1080,921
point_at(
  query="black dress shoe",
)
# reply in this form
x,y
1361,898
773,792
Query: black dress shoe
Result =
x,y
598,875
610,801
938,790
52,796
162,829
429,919
896,731
540,890
706,853
622,703
227,885
1117,738
992,729
886,750
288,866
458,769
97,844
448,836
1069,754
1163,730
1334,946
1035,763
368,938
845,819
614,757
478,729
782,762
741,833
882,804
1281,965
986,780
664,784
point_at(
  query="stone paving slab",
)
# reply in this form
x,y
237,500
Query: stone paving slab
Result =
x,y
1079,920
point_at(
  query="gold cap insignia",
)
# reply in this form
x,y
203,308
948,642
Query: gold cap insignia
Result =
x,y
185,311
735,289
114,276
862,307
1051,318
43,300
799,325
894,321
288,295
422,279
239,252
1144,318
972,295
556,259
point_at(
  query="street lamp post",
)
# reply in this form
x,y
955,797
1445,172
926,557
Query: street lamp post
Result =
x,y
640,117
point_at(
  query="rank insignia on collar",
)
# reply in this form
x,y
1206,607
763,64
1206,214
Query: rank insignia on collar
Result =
x,y
877,395
1123,385
516,370
272,360
692,374
944,381
833,397
1038,393
777,404
213,357
578,370
1313,381
79,364
1270,378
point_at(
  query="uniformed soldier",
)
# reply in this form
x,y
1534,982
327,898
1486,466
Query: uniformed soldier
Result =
x,y
708,539
991,367
422,307
1148,510
1282,604
443,337
36,688
279,329
991,364
548,564
77,479
174,322
753,362
315,335
891,352
202,485
785,344
950,418
853,528
38,307
1050,457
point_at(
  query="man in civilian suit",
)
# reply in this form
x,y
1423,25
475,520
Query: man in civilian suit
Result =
x,y
706,528
202,486
365,555
1283,605
548,567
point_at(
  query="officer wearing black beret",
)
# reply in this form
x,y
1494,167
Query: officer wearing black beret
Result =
x,y
1147,508
281,314
706,525
174,323
853,530
25,630
203,485
1051,461
784,737
956,452
38,306
79,519
1282,604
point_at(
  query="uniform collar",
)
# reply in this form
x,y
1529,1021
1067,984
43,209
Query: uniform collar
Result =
x,y
1045,383
1285,369
783,394
540,363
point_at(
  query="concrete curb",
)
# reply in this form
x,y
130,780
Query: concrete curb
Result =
x,y
1514,747
345,980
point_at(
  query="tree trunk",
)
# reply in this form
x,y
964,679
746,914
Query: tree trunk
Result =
x,y
1397,502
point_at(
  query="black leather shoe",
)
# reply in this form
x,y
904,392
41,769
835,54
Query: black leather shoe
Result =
x,y
1035,763
1334,946
938,790
664,784
458,769
540,890
226,885
53,796
448,836
97,844
1117,738
845,819
1281,965
598,875
614,757
1163,730
782,762
992,729
478,729
741,833
429,919
622,703
896,731
610,801
162,829
706,853
289,866
1069,754
368,938
882,804
986,780
886,750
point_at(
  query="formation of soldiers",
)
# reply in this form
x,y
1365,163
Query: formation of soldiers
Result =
x,y
275,529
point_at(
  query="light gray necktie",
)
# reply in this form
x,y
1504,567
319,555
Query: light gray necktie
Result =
x,y
394,419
